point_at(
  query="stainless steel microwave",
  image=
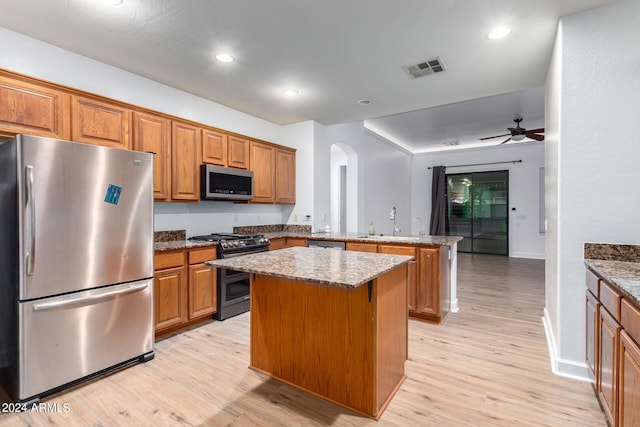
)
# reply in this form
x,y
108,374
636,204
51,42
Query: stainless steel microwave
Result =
x,y
221,183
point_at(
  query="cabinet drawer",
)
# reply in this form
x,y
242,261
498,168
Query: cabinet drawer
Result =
x,y
593,283
630,319
398,250
168,259
201,255
610,299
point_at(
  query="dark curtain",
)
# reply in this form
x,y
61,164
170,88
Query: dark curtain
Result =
x,y
438,202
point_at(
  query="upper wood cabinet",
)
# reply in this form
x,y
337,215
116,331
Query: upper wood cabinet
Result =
x,y
214,147
185,161
263,163
238,155
101,123
33,109
152,133
285,176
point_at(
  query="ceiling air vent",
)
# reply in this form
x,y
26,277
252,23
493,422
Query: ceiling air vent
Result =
x,y
425,68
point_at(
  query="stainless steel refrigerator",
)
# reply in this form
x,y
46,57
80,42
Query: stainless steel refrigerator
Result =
x,y
76,263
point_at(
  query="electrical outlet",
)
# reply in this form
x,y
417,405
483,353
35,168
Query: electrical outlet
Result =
x,y
295,216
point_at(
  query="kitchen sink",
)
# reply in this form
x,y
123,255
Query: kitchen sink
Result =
x,y
395,238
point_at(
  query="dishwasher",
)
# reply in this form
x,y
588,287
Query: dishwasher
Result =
x,y
328,244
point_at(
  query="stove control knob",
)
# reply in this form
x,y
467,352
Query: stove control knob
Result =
x,y
236,243
242,243
224,245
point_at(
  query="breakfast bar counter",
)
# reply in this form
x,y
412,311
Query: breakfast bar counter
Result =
x,y
333,323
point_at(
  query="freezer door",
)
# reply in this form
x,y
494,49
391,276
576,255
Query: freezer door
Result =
x,y
86,216
65,338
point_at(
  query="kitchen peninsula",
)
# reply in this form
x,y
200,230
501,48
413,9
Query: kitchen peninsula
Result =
x,y
333,323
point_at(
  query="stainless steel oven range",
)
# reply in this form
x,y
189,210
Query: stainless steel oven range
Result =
x,y
234,286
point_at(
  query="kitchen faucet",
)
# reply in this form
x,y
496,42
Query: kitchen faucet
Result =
x,y
392,217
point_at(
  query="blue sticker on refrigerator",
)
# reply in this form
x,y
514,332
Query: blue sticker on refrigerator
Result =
x,y
113,194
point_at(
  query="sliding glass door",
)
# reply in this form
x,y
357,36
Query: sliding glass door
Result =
x,y
478,211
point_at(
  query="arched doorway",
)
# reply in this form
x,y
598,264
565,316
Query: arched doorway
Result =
x,y
344,188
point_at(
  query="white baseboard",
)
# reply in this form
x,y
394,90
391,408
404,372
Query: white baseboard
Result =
x,y
529,255
453,306
563,367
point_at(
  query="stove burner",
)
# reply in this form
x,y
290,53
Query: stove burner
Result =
x,y
234,242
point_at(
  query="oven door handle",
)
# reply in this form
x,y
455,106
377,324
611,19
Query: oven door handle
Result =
x,y
237,254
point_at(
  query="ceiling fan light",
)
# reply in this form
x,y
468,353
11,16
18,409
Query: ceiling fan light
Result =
x,y
517,137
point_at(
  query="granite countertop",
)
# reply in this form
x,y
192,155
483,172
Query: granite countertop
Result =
x,y
363,238
624,275
180,244
326,266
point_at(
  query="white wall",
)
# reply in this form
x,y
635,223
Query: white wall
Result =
x,y
384,177
29,56
598,111
525,240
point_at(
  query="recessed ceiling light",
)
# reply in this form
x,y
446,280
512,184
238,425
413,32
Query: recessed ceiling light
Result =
x,y
224,57
498,33
364,102
290,92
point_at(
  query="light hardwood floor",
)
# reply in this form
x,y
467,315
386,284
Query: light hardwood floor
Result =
x,y
485,366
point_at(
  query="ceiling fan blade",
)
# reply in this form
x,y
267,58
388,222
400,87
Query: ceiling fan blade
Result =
x,y
506,140
535,130
534,136
497,136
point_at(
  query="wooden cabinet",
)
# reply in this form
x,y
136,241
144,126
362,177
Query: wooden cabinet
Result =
x,y
277,243
608,363
185,161
170,290
285,176
152,133
362,247
185,289
428,293
262,162
592,332
629,385
99,122
238,152
214,147
202,283
412,273
32,108
295,241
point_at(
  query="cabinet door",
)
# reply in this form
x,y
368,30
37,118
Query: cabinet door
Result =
x,y
214,147
608,364
263,163
593,306
428,286
362,247
153,133
294,241
285,176
238,154
170,298
412,276
278,243
629,385
202,290
100,123
33,109
185,161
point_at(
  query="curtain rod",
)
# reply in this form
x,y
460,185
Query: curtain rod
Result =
x,y
481,164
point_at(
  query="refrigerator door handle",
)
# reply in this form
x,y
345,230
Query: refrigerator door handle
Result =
x,y
31,207
89,299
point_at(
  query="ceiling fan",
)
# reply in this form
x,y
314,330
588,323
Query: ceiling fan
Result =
x,y
518,133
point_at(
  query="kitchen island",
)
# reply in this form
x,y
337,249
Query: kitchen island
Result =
x,y
333,323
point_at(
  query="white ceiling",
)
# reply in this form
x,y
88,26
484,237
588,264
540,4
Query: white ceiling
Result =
x,y
335,52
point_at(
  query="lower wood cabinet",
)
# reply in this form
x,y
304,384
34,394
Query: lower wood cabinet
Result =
x,y
607,385
428,293
295,241
184,289
277,243
592,334
629,384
